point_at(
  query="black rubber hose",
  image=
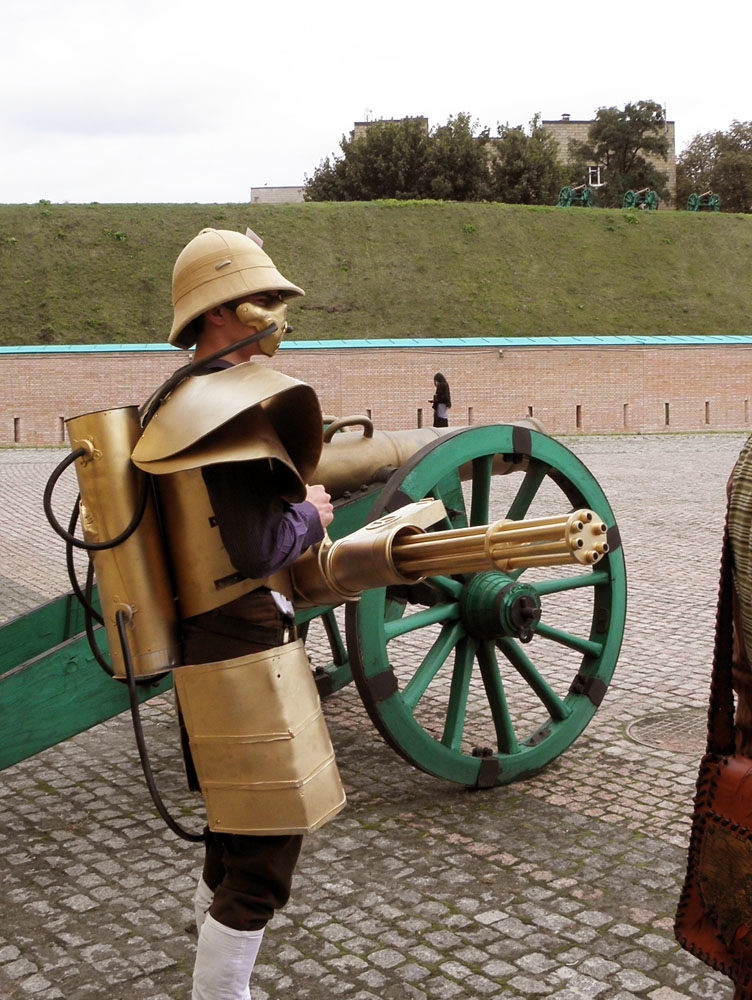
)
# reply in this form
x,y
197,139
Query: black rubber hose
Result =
x,y
141,742
89,617
83,599
153,403
78,542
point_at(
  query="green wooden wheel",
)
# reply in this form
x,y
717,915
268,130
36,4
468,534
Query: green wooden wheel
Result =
x,y
630,200
485,678
693,202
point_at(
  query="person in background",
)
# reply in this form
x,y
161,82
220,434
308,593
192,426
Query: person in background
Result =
x,y
441,402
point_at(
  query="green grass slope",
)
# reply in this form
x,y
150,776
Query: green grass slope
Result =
x,y
85,274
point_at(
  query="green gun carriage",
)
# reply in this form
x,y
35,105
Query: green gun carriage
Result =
x,y
578,196
644,199
707,201
479,677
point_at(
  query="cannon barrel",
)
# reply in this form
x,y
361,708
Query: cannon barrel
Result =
x,y
396,549
351,460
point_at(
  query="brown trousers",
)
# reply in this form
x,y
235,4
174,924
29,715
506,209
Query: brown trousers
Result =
x,y
251,877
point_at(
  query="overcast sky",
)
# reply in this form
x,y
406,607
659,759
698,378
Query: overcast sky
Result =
x,y
167,101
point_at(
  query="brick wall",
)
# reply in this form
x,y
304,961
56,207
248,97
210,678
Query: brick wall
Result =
x,y
573,387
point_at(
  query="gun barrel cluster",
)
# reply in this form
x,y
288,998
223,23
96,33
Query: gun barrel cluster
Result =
x,y
505,545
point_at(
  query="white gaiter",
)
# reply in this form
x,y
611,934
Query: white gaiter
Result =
x,y
224,961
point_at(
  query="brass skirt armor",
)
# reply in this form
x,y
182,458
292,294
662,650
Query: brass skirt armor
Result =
x,y
259,743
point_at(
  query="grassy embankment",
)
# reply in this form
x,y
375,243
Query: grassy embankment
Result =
x,y
79,274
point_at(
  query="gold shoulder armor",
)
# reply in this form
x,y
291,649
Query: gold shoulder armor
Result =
x,y
237,414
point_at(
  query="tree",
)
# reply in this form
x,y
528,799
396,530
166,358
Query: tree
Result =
x,y
620,142
720,162
457,166
403,160
525,168
389,161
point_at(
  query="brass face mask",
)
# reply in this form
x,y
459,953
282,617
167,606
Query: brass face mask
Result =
x,y
260,317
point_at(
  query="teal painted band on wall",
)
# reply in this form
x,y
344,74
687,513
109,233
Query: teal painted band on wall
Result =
x,y
425,343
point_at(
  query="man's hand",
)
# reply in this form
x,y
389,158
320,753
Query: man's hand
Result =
x,y
321,500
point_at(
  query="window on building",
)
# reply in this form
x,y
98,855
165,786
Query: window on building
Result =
x,y
594,177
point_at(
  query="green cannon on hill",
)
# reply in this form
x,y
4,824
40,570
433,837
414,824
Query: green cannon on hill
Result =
x,y
705,202
482,644
644,199
578,196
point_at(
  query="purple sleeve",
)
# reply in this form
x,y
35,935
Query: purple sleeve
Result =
x,y
296,529
261,531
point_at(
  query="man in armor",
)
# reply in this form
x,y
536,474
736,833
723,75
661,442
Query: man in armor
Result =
x,y
231,448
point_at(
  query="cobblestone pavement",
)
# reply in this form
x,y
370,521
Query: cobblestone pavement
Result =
x,y
562,886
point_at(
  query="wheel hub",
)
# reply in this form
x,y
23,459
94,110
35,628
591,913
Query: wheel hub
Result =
x,y
494,605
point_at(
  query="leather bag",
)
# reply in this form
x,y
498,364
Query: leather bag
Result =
x,y
714,915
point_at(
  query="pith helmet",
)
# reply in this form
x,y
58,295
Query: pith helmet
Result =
x,y
218,266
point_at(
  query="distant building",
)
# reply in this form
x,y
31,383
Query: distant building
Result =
x,y
566,129
360,128
277,195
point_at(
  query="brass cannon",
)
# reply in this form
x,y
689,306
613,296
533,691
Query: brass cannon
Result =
x,y
472,588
